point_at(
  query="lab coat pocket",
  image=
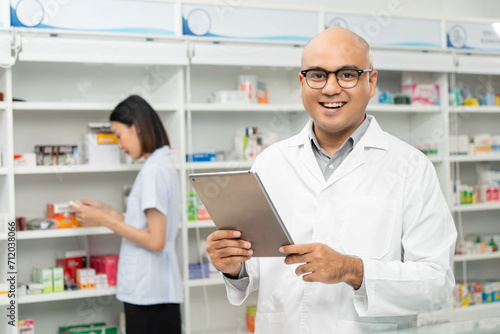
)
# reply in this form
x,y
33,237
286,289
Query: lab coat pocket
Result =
x,y
355,327
127,267
270,323
368,226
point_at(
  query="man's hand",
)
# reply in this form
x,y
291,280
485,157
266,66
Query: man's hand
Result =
x,y
227,252
320,263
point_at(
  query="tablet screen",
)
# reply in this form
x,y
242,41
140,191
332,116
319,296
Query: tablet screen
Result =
x,y
239,201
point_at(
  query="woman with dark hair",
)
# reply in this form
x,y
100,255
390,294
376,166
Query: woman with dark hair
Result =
x,y
149,281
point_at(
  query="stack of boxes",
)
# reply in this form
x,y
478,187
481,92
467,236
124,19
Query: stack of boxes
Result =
x,y
45,280
105,264
483,143
476,292
85,278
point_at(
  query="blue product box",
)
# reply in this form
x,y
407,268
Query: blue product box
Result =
x,y
198,157
195,270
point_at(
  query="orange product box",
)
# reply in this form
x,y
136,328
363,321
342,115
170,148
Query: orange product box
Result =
x,y
63,214
85,278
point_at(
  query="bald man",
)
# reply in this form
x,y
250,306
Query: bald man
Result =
x,y
374,236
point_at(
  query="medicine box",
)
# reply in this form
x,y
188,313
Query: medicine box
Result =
x,y
93,330
106,264
70,261
26,326
200,157
43,276
47,155
101,145
58,279
468,294
101,281
422,94
25,160
85,278
199,270
65,329
491,291
63,214
482,143
32,286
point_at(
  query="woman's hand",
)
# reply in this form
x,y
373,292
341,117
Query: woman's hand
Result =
x,y
90,213
96,204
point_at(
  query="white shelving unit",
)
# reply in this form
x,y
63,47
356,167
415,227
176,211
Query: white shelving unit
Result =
x,y
66,295
476,72
80,85
67,169
178,75
476,207
476,257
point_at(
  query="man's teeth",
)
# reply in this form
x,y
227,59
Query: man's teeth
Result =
x,y
333,104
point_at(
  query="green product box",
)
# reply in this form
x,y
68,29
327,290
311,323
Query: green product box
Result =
x,y
93,330
44,277
192,206
57,279
66,329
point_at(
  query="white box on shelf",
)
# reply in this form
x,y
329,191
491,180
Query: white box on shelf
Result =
x,y
25,159
101,145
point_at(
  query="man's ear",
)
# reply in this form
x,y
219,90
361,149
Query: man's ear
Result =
x,y
373,82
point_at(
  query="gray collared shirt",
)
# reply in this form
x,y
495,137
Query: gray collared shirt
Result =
x,y
328,164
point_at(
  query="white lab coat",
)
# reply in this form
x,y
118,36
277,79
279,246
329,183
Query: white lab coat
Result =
x,y
384,205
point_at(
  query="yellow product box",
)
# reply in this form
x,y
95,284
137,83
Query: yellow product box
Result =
x,y
101,145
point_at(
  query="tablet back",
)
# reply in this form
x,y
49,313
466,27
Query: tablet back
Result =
x,y
239,201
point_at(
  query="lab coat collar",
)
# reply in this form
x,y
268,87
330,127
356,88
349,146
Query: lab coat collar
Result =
x,y
374,137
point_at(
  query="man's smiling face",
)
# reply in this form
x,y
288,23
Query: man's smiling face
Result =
x,y
337,111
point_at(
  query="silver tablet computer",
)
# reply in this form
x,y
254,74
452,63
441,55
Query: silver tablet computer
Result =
x,y
239,201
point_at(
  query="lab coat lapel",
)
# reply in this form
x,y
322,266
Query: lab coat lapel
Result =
x,y
373,138
309,161
305,154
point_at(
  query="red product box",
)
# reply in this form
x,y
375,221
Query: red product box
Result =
x,y
106,264
70,261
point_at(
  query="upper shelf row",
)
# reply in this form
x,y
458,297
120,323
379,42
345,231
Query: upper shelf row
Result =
x,y
195,107
68,48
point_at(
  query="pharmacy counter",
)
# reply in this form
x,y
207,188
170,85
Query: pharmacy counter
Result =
x,y
482,326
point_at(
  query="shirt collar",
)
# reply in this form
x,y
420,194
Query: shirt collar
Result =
x,y
354,137
158,153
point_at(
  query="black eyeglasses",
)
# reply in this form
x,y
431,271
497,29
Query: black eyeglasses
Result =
x,y
346,77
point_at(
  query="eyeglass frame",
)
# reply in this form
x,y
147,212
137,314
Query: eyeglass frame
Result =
x,y
304,73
